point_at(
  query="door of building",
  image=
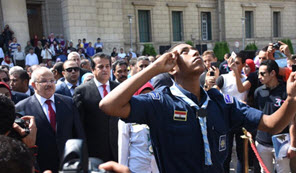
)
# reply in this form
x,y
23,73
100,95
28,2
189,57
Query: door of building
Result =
x,y
35,20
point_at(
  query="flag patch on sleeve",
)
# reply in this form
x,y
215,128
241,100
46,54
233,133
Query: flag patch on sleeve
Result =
x,y
155,96
180,115
228,99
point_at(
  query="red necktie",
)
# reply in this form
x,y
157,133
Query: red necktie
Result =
x,y
105,92
51,114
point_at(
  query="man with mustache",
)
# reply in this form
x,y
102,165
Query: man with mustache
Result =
x,y
57,119
101,130
120,71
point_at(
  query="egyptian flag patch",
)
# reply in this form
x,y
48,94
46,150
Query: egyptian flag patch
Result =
x,y
180,115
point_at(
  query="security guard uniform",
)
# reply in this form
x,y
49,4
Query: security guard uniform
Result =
x,y
176,133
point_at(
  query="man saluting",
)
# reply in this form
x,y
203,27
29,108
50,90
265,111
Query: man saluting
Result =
x,y
189,127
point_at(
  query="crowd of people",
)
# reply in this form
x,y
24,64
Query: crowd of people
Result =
x,y
176,112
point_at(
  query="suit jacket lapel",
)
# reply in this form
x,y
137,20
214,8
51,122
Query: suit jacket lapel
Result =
x,y
94,89
59,113
112,85
67,90
38,108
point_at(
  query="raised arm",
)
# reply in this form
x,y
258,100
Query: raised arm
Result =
x,y
116,103
241,86
276,122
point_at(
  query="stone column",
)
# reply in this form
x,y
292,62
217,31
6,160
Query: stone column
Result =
x,y
15,15
80,20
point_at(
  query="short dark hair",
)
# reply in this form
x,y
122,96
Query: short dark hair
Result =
x,y
118,63
264,49
7,114
84,62
99,55
22,74
242,56
228,55
271,65
15,156
58,67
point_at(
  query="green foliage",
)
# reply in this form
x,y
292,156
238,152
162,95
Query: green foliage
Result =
x,y
289,43
149,50
189,42
251,46
220,49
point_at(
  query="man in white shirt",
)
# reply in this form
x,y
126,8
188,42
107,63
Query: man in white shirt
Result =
x,y
19,57
31,58
121,54
71,75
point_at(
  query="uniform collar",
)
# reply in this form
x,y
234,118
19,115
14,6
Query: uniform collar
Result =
x,y
203,95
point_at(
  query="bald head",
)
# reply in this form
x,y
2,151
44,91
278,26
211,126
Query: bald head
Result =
x,y
74,56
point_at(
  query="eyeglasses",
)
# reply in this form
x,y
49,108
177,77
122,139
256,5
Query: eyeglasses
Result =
x,y
261,73
71,69
46,82
5,79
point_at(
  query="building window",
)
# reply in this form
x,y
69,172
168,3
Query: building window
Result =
x,y
177,19
276,24
144,25
206,28
249,24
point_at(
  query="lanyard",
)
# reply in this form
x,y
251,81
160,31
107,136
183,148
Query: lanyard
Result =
x,y
200,114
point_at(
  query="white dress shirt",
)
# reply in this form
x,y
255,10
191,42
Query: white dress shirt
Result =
x,y
46,54
69,85
32,59
100,87
135,149
44,105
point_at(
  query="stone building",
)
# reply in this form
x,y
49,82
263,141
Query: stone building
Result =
x,y
159,22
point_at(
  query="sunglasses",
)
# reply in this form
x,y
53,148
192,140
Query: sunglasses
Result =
x,y
71,69
4,79
261,73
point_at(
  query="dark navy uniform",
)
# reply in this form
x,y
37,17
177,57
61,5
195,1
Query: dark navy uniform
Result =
x,y
176,133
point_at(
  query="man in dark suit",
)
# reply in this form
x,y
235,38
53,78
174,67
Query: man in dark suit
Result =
x,y
71,75
57,119
100,129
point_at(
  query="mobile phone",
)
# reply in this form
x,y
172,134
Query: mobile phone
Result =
x,y
294,67
215,64
212,73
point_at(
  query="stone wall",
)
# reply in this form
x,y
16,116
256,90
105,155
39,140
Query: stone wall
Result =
x,y
108,19
53,19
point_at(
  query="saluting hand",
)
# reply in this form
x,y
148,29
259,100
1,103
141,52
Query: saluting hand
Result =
x,y
166,62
